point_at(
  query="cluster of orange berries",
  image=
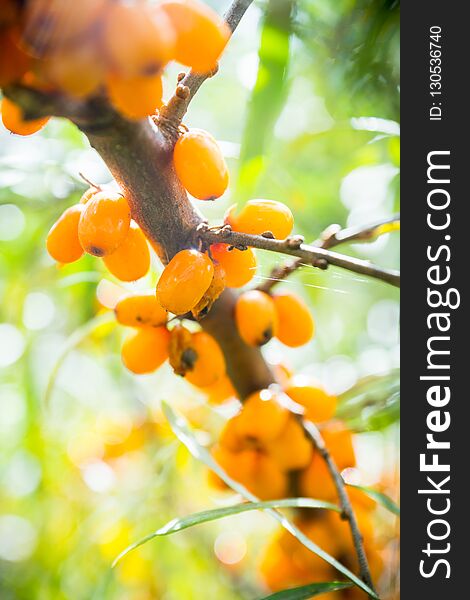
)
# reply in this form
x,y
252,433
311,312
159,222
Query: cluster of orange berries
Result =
x,y
107,47
101,225
264,447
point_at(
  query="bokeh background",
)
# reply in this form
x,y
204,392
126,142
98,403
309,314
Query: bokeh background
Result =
x,y
305,107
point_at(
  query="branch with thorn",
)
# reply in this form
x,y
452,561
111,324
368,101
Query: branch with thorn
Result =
x,y
332,236
294,246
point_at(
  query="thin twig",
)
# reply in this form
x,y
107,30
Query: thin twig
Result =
x,y
346,507
172,114
330,237
312,255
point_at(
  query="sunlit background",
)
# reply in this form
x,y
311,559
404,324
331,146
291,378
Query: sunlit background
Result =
x,y
88,463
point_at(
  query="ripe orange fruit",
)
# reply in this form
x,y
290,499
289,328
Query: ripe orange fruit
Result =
x,y
253,469
88,194
239,265
184,281
135,97
52,25
200,165
339,441
104,223
196,356
138,40
295,323
77,72
259,216
262,417
146,349
216,287
315,481
256,317
139,310
12,118
131,260
201,33
319,406
62,240
15,62
279,572
291,449
221,391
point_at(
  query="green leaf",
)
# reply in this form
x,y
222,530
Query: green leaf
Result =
x,y
373,403
205,516
382,499
268,95
307,591
180,428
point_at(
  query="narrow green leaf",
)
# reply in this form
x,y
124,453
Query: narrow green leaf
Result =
x,y
180,428
72,341
382,499
307,591
205,516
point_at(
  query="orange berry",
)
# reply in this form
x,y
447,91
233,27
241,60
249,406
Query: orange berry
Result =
x,y
196,356
77,72
200,165
239,265
138,40
262,417
291,449
319,406
256,471
279,572
221,391
104,223
15,62
184,281
146,349
216,287
88,194
139,310
201,33
258,216
12,118
135,97
52,25
295,323
256,317
131,260
62,240
315,481
339,441
230,439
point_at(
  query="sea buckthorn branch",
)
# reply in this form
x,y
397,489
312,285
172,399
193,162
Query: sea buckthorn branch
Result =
x,y
330,237
347,510
312,255
172,114
37,103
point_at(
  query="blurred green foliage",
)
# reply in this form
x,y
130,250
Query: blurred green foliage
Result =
x,y
306,108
